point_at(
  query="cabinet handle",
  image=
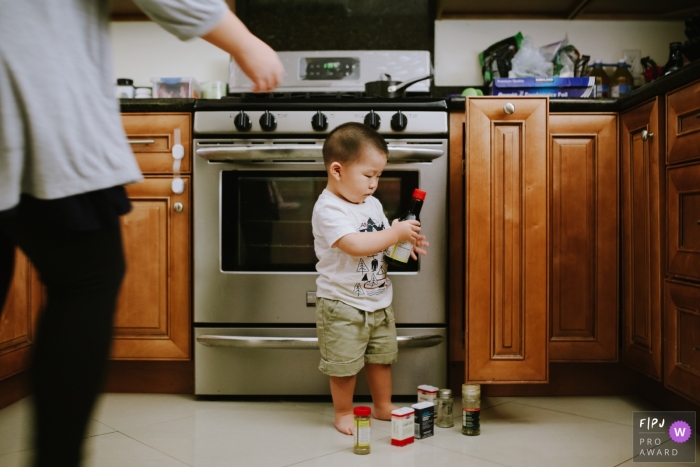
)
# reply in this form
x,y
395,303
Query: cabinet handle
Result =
x,y
177,207
142,141
646,135
509,109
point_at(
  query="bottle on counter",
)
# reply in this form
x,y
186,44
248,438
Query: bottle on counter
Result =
x,y
622,80
125,88
399,253
362,425
471,409
675,58
602,80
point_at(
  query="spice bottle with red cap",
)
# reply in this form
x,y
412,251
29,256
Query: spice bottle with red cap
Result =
x,y
399,253
362,422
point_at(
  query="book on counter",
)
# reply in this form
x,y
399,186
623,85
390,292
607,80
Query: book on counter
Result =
x,y
553,86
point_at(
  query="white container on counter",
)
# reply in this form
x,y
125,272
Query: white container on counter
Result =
x,y
125,88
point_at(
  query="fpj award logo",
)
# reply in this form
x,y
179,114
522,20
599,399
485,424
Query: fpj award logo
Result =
x,y
664,436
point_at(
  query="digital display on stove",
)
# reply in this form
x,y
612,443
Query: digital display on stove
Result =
x,y
329,68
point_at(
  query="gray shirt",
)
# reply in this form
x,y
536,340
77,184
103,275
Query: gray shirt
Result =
x,y
60,128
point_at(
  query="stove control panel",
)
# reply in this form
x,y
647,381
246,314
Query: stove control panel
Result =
x,y
300,122
329,68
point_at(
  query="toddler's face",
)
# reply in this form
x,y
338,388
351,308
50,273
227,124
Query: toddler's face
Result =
x,y
359,180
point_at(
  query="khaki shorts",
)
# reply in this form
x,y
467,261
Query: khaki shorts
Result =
x,y
349,338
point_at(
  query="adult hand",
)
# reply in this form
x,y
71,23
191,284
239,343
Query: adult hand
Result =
x,y
257,60
260,63
407,231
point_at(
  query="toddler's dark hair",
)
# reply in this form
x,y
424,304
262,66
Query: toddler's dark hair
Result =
x,y
344,143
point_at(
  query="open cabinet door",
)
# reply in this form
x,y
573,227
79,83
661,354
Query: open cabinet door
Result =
x,y
506,240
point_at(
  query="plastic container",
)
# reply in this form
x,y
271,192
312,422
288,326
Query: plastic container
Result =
x,y
443,409
622,80
424,422
362,426
402,426
213,90
176,87
471,409
143,93
125,88
602,80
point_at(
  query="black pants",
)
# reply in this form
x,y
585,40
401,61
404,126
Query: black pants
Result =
x,y
82,272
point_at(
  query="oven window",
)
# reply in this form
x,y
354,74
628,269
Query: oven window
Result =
x,y
266,217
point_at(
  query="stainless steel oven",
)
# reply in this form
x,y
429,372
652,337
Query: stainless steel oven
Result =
x,y
254,262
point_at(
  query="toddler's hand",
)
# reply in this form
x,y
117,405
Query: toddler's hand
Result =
x,y
406,230
421,241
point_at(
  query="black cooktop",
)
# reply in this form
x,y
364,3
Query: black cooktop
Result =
x,y
320,101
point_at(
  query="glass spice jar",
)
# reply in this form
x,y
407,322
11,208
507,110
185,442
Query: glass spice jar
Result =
x,y
444,408
471,409
362,423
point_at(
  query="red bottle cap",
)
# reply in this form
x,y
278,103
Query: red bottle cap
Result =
x,y
419,194
362,411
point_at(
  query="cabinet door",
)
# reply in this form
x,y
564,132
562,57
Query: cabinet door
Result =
x,y
152,137
584,180
683,124
682,339
153,311
506,240
641,238
18,319
683,205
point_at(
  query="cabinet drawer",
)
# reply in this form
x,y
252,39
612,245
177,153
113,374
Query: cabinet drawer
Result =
x,y
152,139
683,204
682,346
683,124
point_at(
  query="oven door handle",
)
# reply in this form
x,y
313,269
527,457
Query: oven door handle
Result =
x,y
281,152
257,342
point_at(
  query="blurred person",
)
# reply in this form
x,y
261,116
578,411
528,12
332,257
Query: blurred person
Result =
x,y
64,159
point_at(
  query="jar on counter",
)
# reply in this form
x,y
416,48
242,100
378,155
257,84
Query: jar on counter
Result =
x,y
125,88
443,406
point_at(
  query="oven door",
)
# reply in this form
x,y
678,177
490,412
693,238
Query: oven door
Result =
x,y
254,257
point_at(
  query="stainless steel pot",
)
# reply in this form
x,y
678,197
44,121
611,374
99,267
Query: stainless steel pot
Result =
x,y
389,88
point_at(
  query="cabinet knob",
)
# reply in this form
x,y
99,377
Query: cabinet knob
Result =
x,y
646,135
509,108
177,207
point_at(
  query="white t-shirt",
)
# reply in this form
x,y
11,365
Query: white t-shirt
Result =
x,y
358,281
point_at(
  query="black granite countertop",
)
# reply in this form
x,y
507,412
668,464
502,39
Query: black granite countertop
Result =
x,y
685,75
157,105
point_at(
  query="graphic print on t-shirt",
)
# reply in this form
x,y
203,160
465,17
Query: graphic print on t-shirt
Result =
x,y
373,280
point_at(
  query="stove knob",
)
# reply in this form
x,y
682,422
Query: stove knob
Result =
x,y
399,121
319,121
242,121
373,120
268,122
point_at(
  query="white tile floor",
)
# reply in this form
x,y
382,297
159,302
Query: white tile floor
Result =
x,y
175,431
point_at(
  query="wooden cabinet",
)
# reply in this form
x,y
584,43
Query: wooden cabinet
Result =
x,y
18,319
153,319
506,240
683,124
682,339
642,221
584,181
683,207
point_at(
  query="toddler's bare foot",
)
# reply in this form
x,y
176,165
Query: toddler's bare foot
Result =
x,y
383,412
345,423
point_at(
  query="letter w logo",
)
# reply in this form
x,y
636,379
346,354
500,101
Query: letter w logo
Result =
x,y
680,431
